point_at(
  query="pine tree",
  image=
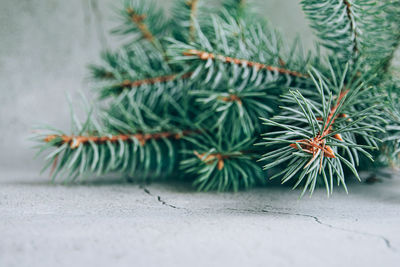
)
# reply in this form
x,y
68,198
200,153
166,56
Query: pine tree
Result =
x,y
214,94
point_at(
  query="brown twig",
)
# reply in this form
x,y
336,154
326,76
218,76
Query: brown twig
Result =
x,y
138,20
153,80
203,55
211,158
331,119
317,144
231,98
76,141
193,12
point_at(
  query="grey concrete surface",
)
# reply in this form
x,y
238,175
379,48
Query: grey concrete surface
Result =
x,y
45,46
107,223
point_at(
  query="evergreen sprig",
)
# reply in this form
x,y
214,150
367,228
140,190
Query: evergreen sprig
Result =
x,y
350,28
185,15
185,95
223,165
143,21
140,135
122,70
258,54
319,138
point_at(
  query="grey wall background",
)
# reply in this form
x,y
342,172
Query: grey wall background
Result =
x,y
45,46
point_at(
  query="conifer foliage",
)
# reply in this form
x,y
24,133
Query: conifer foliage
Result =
x,y
213,94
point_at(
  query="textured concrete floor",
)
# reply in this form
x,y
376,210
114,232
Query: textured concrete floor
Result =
x,y
117,224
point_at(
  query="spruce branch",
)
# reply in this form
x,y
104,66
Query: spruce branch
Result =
x,y
186,94
258,55
349,28
336,26
235,110
220,164
137,135
314,137
71,157
317,144
134,68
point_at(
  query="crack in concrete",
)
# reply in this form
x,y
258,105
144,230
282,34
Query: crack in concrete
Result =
x,y
317,220
159,199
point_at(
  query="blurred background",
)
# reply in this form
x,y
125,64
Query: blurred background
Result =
x,y
45,47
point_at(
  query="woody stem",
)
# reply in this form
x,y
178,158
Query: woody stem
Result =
x,y
203,55
76,141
